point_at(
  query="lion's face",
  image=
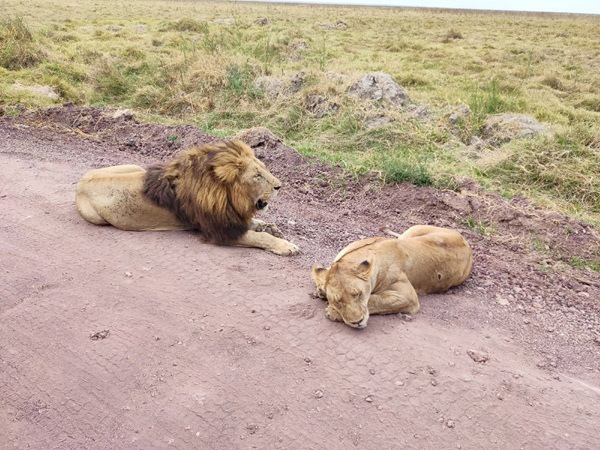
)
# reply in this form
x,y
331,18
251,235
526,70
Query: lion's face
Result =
x,y
347,289
261,185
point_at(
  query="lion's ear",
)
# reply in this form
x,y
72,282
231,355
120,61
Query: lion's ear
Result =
x,y
364,269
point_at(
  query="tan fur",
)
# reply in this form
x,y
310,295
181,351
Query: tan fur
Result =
x,y
385,276
215,189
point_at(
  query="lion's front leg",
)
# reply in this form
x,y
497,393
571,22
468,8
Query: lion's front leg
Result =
x,y
261,239
399,298
261,226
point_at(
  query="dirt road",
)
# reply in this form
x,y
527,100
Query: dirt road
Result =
x,y
112,339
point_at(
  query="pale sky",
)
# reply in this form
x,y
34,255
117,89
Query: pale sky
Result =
x,y
570,6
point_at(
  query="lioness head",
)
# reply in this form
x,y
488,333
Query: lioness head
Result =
x,y
347,289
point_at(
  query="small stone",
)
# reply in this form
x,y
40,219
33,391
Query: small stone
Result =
x,y
128,274
434,383
526,321
450,423
478,356
399,383
499,396
372,371
319,393
369,399
502,301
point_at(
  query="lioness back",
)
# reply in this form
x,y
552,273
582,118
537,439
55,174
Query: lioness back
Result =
x,y
440,257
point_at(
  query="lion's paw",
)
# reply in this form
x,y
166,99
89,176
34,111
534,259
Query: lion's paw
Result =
x,y
272,229
285,248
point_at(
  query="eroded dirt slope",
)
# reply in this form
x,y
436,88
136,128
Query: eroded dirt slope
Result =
x,y
112,339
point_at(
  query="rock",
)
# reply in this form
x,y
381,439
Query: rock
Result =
x,y
271,86
450,423
140,28
114,28
125,113
262,21
36,89
419,112
319,106
258,137
502,301
369,399
460,114
476,144
380,86
478,356
502,128
377,121
297,81
295,49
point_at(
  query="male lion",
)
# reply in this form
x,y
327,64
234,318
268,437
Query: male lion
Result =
x,y
215,189
384,276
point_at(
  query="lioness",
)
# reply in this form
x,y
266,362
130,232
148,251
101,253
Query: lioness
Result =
x,y
215,189
384,276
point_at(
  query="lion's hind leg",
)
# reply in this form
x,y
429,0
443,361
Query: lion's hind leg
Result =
x,y
82,199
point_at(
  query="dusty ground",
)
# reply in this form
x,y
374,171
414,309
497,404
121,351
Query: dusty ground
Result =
x,y
111,339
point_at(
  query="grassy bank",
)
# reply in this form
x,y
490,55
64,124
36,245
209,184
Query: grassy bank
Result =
x,y
197,62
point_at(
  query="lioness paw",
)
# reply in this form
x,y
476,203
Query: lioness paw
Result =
x,y
332,314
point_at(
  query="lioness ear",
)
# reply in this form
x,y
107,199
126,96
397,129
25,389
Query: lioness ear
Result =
x,y
364,269
319,275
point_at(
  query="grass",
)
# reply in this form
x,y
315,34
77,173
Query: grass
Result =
x,y
181,62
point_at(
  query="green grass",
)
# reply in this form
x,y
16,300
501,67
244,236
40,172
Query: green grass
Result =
x,y
174,63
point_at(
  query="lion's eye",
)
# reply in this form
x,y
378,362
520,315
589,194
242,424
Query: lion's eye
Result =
x,y
258,176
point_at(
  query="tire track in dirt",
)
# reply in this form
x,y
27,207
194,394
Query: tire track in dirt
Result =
x,y
225,348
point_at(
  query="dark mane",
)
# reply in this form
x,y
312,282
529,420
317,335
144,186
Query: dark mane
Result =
x,y
200,198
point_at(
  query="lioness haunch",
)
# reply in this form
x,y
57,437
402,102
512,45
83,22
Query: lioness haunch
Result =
x,y
384,275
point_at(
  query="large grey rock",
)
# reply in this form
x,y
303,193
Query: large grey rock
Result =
x,y
380,86
502,128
